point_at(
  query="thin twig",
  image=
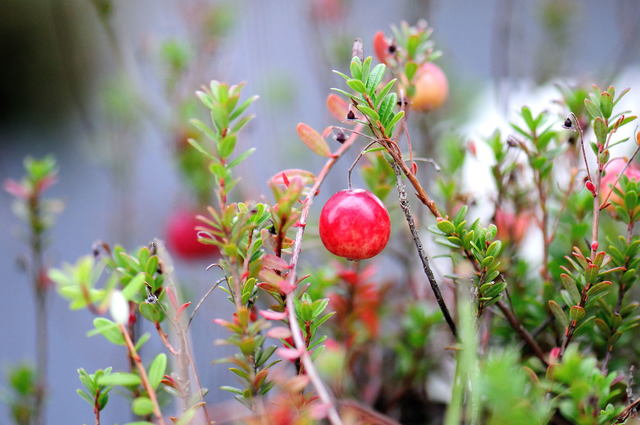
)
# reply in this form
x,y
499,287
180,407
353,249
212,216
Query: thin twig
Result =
x,y
184,356
404,205
620,174
151,392
367,414
573,117
204,297
626,413
524,334
355,162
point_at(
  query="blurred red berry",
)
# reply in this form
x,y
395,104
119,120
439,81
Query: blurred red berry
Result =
x,y
182,237
511,227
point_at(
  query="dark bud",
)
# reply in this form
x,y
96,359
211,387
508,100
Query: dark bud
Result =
x,y
341,137
568,124
392,48
272,229
351,115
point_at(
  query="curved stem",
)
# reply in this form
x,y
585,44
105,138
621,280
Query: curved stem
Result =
x,y
296,333
355,162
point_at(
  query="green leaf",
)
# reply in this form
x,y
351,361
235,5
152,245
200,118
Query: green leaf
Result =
x,y
142,340
142,406
133,287
227,145
559,314
240,158
157,370
357,85
124,379
410,70
373,115
591,108
606,104
200,149
204,129
494,249
397,117
355,67
600,129
240,109
375,77
107,329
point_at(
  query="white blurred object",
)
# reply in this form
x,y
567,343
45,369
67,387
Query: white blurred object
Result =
x,y
119,307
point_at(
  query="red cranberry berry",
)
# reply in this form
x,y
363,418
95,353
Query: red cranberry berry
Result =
x,y
354,224
182,237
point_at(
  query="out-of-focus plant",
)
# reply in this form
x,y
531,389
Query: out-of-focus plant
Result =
x,y
31,386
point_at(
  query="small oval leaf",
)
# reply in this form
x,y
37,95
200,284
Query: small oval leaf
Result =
x,y
313,140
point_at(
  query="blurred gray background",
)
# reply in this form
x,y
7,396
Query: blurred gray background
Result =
x,y
117,178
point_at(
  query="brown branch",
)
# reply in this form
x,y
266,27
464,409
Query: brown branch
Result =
x,y
133,354
96,407
298,339
626,413
367,414
519,328
404,205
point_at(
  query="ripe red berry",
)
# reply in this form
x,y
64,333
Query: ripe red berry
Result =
x,y
182,237
354,224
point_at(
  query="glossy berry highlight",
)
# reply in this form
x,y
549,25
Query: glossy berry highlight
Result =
x,y
354,224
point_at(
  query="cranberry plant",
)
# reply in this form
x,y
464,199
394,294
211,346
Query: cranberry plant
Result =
x,y
546,338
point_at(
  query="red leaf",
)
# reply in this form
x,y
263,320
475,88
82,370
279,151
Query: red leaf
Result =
x,y
284,177
279,332
182,308
313,140
273,315
288,353
276,263
286,287
338,107
16,189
